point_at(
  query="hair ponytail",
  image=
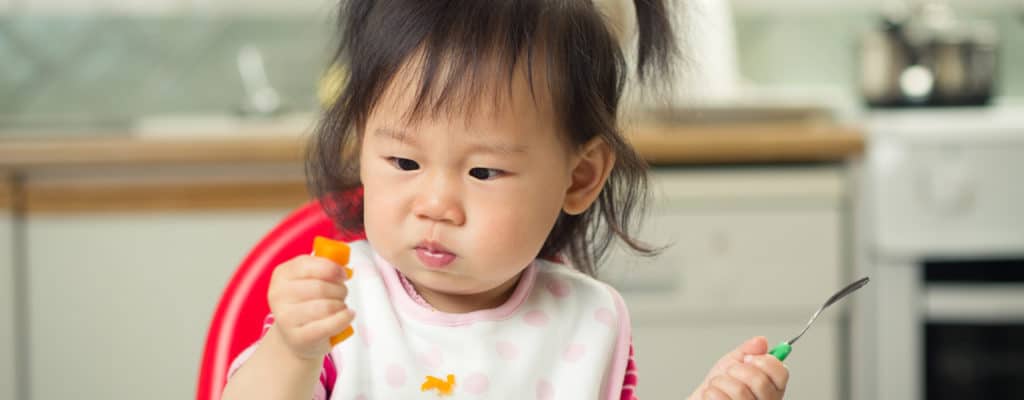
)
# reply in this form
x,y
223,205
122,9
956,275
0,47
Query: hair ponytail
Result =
x,y
656,45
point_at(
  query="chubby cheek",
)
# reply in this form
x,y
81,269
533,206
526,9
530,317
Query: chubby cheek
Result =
x,y
515,234
380,209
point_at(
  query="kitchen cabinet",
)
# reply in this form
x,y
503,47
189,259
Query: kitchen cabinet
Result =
x,y
125,244
8,308
749,252
119,299
119,303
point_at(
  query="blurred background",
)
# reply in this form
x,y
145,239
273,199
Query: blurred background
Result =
x,y
146,146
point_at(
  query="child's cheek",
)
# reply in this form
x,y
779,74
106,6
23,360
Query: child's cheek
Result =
x,y
512,233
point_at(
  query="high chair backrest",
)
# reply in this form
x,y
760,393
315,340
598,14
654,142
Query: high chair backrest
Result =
x,y
238,319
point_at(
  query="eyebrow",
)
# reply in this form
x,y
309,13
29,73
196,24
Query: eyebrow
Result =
x,y
394,134
404,137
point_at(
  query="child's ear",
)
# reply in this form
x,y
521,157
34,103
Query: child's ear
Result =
x,y
591,170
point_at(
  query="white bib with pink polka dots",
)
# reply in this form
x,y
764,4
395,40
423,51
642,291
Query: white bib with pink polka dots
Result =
x,y
561,335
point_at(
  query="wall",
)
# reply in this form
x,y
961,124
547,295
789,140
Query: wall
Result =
x,y
101,63
818,47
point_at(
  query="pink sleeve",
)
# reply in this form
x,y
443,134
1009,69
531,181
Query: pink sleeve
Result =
x,y
327,374
629,383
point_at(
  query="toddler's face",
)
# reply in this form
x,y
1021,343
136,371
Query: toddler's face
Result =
x,y
462,205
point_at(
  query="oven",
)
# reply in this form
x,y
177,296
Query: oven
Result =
x,y
941,233
973,328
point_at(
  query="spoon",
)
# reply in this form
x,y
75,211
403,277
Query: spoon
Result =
x,y
781,350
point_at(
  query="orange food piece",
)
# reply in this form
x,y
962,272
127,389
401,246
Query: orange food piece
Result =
x,y
333,250
443,388
338,252
348,332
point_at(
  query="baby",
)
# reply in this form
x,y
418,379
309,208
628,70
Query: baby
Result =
x,y
483,138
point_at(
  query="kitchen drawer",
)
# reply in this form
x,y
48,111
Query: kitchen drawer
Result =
x,y
736,259
739,239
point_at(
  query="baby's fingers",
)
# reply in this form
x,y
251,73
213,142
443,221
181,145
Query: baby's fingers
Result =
x,y
323,329
771,366
312,289
756,381
727,387
309,267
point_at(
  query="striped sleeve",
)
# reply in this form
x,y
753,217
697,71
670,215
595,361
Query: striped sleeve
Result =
x,y
629,382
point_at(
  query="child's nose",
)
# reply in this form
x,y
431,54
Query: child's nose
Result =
x,y
439,202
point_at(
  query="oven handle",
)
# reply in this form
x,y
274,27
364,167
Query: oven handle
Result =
x,y
976,303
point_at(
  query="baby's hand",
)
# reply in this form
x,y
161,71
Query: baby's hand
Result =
x,y
307,299
746,373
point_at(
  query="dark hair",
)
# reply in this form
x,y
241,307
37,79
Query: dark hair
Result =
x,y
455,41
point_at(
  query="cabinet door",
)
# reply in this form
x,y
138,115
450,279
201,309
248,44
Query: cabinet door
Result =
x,y
119,303
749,252
765,248
8,321
673,355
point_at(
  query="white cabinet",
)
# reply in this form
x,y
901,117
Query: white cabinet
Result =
x,y
750,252
674,355
119,303
8,319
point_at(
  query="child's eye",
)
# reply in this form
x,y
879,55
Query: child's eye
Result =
x,y
485,173
404,164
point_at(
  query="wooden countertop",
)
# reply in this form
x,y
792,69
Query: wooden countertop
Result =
x,y
747,143
722,143
124,173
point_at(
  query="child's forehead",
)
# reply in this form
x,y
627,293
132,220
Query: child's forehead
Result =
x,y
467,90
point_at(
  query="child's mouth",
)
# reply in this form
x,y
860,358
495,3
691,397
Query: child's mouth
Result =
x,y
434,255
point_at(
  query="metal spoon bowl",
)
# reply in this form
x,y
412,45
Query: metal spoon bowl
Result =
x,y
781,351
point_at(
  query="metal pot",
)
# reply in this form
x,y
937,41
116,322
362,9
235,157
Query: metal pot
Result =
x,y
886,59
928,59
964,67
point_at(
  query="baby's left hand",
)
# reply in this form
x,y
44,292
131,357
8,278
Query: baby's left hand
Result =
x,y
746,373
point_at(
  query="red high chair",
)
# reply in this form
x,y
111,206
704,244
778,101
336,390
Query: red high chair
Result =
x,y
238,319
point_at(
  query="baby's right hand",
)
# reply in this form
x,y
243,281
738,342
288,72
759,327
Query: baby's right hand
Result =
x,y
307,299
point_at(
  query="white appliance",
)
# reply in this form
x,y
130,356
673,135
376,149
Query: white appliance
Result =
x,y
942,236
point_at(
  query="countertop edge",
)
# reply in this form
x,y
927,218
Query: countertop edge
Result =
x,y
658,144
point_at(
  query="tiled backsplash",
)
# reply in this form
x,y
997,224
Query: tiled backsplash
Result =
x,y
105,68
821,49
116,67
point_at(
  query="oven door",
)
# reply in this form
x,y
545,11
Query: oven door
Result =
x,y
974,329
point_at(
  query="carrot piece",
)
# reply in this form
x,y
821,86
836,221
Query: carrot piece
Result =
x,y
338,252
333,250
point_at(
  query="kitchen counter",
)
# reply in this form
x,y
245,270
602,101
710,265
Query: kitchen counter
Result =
x,y
105,173
719,143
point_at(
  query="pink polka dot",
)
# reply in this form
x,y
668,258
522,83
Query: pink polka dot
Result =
x,y
395,375
507,350
477,383
544,390
558,288
574,352
430,359
605,316
536,318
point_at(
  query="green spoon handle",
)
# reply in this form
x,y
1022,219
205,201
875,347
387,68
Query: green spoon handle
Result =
x,y
781,351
